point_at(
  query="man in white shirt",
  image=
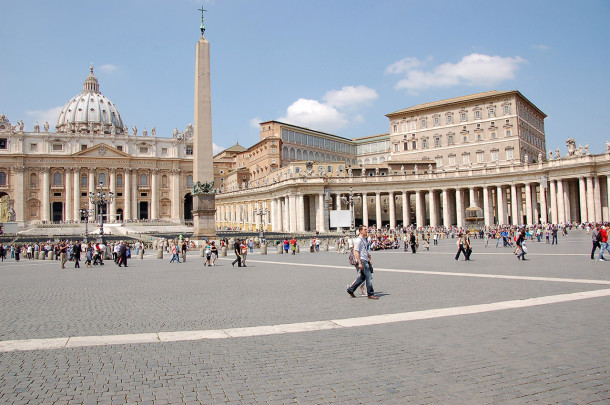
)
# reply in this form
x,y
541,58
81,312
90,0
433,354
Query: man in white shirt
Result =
x,y
361,252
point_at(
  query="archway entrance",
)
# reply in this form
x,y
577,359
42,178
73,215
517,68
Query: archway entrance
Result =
x,y
57,211
103,210
188,207
119,214
143,210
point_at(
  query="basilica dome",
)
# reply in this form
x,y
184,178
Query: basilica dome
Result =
x,y
90,112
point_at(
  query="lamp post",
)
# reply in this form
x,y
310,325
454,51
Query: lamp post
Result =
x,y
84,214
350,202
261,212
100,199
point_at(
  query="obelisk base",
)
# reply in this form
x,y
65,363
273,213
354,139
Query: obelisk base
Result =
x,y
204,216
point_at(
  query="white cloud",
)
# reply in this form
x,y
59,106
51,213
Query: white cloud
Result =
x,y
540,47
217,148
404,65
41,116
330,114
256,122
350,96
313,114
108,68
473,70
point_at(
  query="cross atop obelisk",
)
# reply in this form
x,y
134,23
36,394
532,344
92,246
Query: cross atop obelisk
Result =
x,y
204,210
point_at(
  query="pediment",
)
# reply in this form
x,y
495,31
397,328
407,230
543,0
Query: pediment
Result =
x,y
101,150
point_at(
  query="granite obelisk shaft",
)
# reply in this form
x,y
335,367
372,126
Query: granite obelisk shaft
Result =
x,y
204,209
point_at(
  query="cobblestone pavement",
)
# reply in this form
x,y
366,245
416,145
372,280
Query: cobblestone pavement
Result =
x,y
555,353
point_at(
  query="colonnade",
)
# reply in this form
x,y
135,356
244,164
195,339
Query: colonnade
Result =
x,y
529,201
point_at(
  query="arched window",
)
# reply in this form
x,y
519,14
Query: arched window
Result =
x,y
374,161
310,155
317,157
292,153
381,159
285,152
101,179
189,180
164,181
57,179
33,180
143,180
367,161
299,154
2,179
119,180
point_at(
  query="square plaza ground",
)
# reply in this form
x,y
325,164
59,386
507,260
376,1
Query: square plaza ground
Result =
x,y
283,329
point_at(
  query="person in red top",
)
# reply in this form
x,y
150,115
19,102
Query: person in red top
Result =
x,y
604,242
293,245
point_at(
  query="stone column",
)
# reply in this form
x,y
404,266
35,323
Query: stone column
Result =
x,y
528,204
473,197
589,204
91,185
501,198
561,208
459,207
113,191
582,195
543,205
420,213
519,204
392,210
69,195
154,187
300,213
76,194
566,201
446,210
513,204
134,194
406,210
554,202
597,197
486,212
608,196
46,187
378,210
365,210
321,222
177,198
127,215
20,188
535,213
433,208
293,213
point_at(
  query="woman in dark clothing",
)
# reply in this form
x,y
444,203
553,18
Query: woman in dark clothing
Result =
x,y
520,247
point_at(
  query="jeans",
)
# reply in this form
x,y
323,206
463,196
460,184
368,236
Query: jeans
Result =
x,y
554,241
595,246
363,275
601,250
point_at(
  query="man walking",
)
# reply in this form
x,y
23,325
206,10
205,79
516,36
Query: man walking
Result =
x,y
596,238
63,250
122,254
237,250
604,243
77,249
361,252
554,235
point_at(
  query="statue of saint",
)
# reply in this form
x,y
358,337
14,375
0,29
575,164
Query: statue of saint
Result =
x,y
153,131
402,169
586,149
429,167
20,125
46,126
415,169
145,133
134,130
175,132
36,127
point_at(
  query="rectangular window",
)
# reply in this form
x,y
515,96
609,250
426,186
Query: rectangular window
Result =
x,y
395,147
466,159
33,147
189,151
477,115
492,112
395,128
437,121
405,146
437,142
508,132
83,181
423,124
144,150
414,145
494,135
83,147
494,155
119,181
449,119
3,143
506,109
480,157
424,143
465,138
509,154
58,147
479,137
164,151
463,117
451,160
120,147
450,140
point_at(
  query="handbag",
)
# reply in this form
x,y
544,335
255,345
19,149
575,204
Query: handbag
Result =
x,y
352,258
523,247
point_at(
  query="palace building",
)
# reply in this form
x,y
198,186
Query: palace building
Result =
x,y
435,160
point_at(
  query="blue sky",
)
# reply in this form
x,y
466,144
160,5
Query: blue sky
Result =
x,y
335,66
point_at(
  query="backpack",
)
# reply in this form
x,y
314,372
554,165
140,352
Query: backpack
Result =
x,y
598,237
352,258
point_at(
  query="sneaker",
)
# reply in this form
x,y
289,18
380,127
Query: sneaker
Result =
x,y
601,260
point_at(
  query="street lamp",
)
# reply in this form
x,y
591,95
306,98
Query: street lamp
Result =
x,y
350,202
261,212
84,214
100,199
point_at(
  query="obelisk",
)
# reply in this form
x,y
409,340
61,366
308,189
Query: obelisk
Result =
x,y
204,209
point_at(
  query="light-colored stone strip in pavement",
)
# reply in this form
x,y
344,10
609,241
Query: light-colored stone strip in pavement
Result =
x,y
88,341
447,273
